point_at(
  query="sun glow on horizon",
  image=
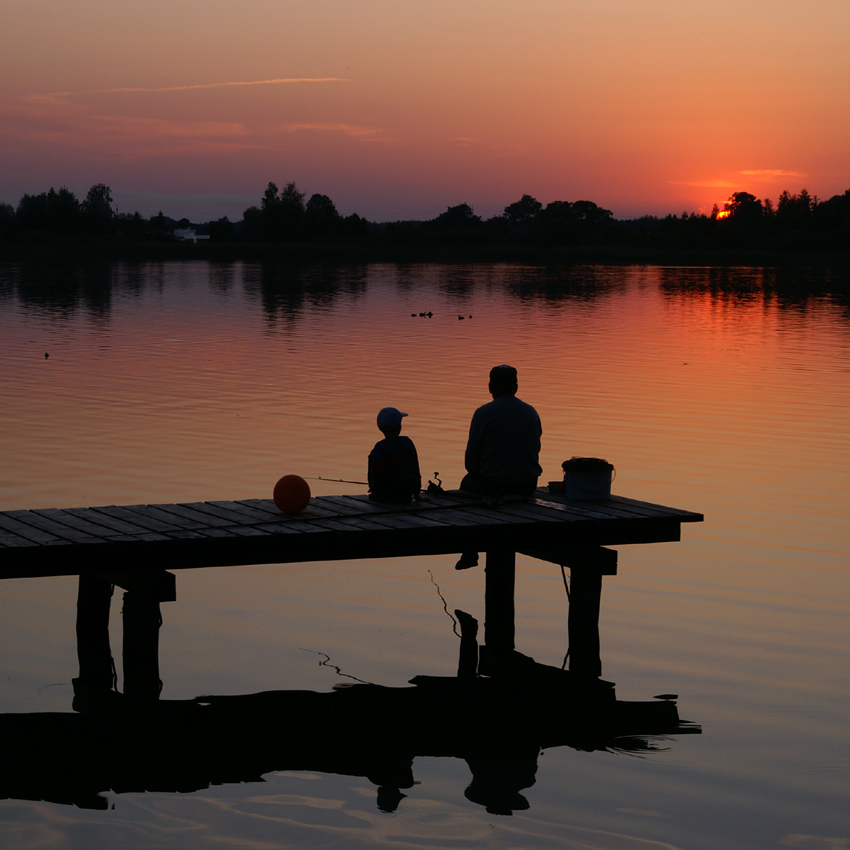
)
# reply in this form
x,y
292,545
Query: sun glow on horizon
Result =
x,y
403,114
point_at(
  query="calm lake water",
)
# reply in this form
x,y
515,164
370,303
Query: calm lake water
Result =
x,y
723,391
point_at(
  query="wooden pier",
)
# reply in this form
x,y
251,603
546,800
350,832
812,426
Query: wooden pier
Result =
x,y
140,539
138,547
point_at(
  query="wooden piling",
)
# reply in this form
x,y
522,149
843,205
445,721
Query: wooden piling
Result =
x,y
94,598
142,620
583,620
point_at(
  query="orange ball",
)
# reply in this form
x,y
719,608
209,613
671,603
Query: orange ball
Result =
x,y
291,494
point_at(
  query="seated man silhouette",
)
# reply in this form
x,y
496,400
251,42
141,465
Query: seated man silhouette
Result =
x,y
503,449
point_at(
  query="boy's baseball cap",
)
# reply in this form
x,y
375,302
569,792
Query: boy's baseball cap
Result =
x,y
389,418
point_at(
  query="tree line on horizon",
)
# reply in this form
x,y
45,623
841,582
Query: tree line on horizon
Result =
x,y
288,217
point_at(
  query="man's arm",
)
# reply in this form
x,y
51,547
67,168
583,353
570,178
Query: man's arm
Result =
x,y
474,443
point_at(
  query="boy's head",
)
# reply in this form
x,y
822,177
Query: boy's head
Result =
x,y
389,420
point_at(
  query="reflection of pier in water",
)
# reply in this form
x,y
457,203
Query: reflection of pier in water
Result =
x,y
497,714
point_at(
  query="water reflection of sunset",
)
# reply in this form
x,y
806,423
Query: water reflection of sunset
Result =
x,y
716,356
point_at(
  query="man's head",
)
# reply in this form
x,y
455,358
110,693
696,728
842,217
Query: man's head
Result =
x,y
503,381
389,420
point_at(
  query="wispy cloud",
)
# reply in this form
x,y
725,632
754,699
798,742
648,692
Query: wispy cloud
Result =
x,y
59,122
355,131
709,183
198,86
760,174
772,173
67,119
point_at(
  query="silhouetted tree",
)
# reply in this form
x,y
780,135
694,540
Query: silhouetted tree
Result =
x,y
795,210
321,207
522,211
292,210
831,219
253,224
283,212
271,211
97,208
555,225
63,209
52,211
321,218
161,225
130,226
355,227
798,221
744,207
271,197
222,230
460,217
591,213
558,209
563,223
458,225
7,220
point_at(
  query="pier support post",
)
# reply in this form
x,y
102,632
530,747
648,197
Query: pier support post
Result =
x,y
142,620
94,598
583,620
587,565
500,573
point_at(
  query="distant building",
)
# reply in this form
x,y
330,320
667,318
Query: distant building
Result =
x,y
188,234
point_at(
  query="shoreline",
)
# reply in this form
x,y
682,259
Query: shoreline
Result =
x,y
59,250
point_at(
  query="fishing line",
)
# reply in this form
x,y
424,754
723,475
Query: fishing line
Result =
x,y
327,663
445,605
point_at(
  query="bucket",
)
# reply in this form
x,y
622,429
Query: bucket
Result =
x,y
587,478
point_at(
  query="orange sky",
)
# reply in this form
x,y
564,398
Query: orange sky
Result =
x,y
398,109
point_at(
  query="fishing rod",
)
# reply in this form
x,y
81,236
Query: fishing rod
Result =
x,y
432,486
340,480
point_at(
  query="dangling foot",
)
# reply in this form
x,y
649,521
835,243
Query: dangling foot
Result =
x,y
467,560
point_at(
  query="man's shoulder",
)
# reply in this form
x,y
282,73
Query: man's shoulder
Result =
x,y
524,404
510,402
486,411
485,407
521,411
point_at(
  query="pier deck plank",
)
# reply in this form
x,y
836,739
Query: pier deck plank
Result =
x,y
72,541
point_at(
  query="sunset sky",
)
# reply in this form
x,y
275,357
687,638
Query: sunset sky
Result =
x,y
397,109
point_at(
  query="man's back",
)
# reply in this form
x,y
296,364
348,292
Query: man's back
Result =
x,y
504,440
